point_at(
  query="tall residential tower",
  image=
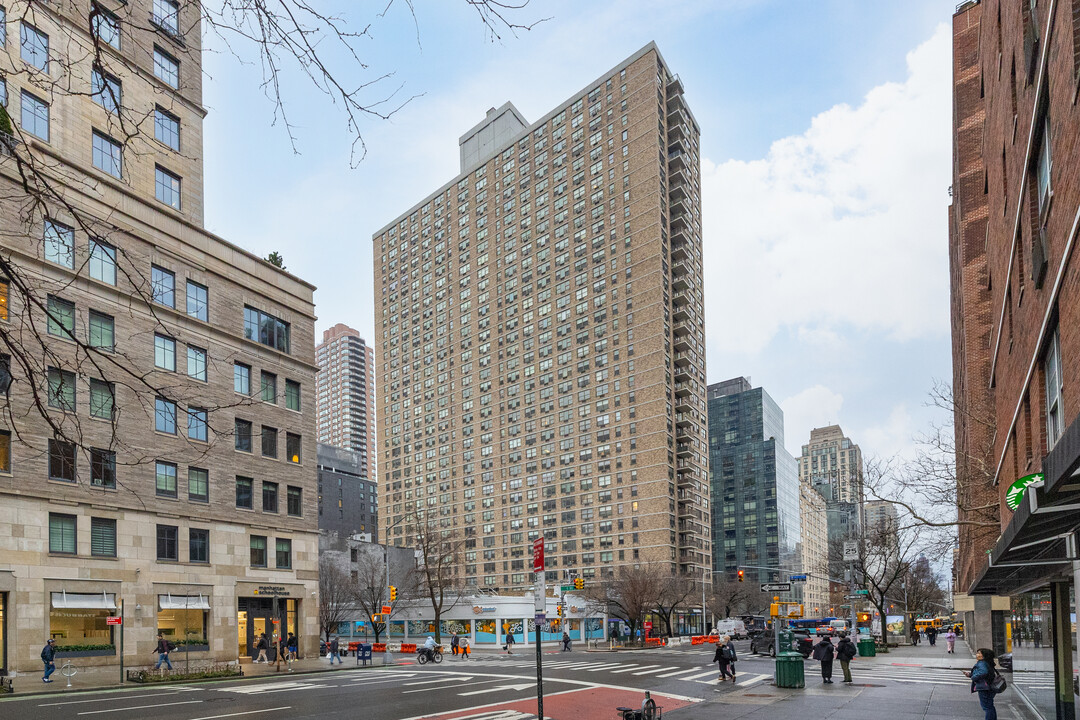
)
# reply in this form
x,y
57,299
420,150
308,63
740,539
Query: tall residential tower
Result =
x,y
345,394
541,344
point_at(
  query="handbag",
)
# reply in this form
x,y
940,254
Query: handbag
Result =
x,y
998,684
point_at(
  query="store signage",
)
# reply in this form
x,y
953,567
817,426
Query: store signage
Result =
x,y
112,620
274,590
479,609
386,609
1015,493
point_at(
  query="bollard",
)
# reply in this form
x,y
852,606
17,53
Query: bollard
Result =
x,y
69,671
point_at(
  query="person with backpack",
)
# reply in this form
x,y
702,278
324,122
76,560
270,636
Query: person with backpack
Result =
x,y
565,641
724,657
824,651
845,652
455,644
48,656
984,678
164,647
464,647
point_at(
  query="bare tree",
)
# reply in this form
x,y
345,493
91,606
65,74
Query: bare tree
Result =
x,y
885,559
677,592
335,595
730,597
923,591
630,594
369,589
437,577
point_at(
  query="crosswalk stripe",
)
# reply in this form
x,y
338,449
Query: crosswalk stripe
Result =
x,y
679,672
598,668
704,674
650,672
753,680
632,667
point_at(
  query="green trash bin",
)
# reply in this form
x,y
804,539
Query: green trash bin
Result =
x,y
867,647
789,670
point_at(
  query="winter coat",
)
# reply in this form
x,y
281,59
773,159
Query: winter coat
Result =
x,y
981,675
334,645
824,650
164,647
48,653
846,649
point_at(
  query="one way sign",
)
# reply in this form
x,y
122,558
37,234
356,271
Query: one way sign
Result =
x,y
775,587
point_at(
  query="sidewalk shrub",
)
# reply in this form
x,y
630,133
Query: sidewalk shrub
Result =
x,y
202,672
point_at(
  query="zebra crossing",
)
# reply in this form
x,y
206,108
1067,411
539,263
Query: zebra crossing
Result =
x,y
871,672
704,674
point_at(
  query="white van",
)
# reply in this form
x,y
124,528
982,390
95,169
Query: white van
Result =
x,y
838,626
731,626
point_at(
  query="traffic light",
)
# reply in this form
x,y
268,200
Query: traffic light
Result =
x,y
741,576
393,593
579,584
559,609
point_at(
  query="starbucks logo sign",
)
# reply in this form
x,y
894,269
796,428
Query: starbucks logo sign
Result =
x,y
1015,492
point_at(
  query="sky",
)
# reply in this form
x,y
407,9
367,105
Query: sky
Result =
x,y
826,151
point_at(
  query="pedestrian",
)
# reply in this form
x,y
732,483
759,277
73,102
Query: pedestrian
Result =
x,y
262,645
982,674
845,652
164,647
293,643
931,635
732,656
950,641
464,648
454,644
915,636
333,650
824,652
509,643
48,655
565,641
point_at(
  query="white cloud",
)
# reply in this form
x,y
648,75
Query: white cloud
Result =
x,y
840,227
893,437
816,406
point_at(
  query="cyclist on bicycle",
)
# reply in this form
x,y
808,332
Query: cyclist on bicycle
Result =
x,y
429,648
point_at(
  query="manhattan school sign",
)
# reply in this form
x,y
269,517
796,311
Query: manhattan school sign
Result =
x,y
244,589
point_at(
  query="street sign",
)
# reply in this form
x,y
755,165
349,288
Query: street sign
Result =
x,y
538,555
113,620
851,550
775,587
386,609
648,624
797,578
862,592
540,618
566,588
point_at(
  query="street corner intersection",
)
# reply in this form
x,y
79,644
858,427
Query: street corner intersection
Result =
x,y
587,702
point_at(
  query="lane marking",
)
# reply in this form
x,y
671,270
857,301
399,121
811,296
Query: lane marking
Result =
x,y
247,712
139,707
108,699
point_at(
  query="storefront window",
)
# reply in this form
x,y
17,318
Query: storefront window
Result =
x,y
1030,639
182,619
461,627
515,627
485,631
77,621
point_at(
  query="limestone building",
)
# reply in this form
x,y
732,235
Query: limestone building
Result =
x,y
157,436
540,341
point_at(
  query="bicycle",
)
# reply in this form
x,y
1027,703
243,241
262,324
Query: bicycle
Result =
x,y
424,655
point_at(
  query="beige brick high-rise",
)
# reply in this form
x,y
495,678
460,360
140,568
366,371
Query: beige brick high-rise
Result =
x,y
345,387
188,504
540,340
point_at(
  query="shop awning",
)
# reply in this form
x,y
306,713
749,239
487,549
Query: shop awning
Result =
x,y
84,601
183,602
1040,541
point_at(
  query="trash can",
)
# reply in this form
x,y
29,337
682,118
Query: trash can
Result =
x,y
866,647
789,670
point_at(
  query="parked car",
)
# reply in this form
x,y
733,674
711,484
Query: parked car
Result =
x,y
764,643
1005,662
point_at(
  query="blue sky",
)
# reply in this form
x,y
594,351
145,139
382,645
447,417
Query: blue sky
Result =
x,y
825,137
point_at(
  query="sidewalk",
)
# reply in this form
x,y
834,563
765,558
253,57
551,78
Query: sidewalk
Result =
x,y
864,699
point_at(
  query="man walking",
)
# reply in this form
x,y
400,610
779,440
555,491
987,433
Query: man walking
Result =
x,y
455,643
565,641
262,646
845,652
334,647
164,647
931,635
48,654
509,643
464,648
824,652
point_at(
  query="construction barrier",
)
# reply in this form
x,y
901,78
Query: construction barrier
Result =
x,y
408,647
379,647
655,642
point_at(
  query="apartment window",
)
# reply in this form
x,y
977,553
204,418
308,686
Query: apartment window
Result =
x,y
166,68
35,116
4,291
102,261
103,537
1043,169
62,537
294,504
163,286
107,155
165,416
105,26
292,447
61,460
62,389
198,545
164,353
258,551
244,493
242,378
198,484
283,546
197,424
196,362
167,128
3,26
61,320
102,399
3,82
198,301
270,497
102,334
243,435
166,543
166,479
34,47
1055,418
269,442
105,90
167,187
266,329
5,451
59,244
268,383
102,468
292,395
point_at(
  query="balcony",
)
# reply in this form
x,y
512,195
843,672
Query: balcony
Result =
x,y
683,388
675,86
679,250
684,405
684,449
679,176
678,190
683,373
679,221
675,103
676,160
678,131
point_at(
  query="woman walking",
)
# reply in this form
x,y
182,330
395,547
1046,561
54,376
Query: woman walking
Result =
x,y
981,676
950,641
723,656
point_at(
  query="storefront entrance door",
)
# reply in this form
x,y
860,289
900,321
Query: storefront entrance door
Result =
x,y
254,616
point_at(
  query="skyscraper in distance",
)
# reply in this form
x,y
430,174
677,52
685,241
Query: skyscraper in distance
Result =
x,y
345,394
540,341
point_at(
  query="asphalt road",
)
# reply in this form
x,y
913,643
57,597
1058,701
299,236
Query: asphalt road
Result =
x,y
577,686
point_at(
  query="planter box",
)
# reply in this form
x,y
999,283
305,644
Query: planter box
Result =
x,y
62,655
179,652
